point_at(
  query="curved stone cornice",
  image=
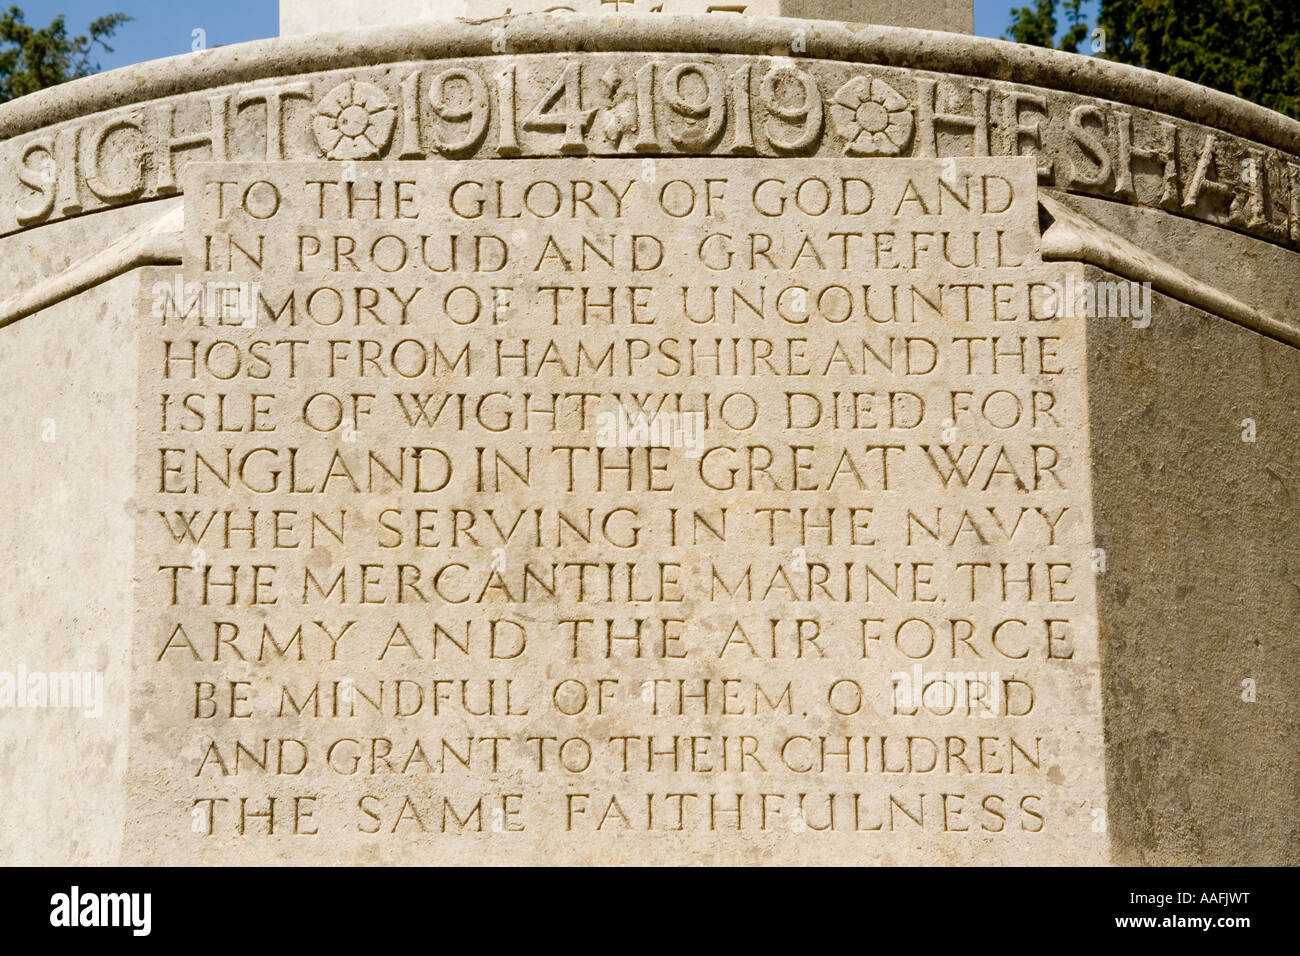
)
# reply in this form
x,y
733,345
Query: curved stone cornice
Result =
x,y
645,33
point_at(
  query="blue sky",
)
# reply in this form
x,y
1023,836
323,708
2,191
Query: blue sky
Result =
x,y
166,27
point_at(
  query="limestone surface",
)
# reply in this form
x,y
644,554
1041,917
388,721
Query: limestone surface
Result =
x,y
669,437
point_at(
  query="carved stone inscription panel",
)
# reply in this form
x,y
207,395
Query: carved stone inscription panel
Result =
x,y
621,510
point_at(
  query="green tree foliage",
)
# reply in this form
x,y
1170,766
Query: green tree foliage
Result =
x,y
1250,48
32,59
1036,25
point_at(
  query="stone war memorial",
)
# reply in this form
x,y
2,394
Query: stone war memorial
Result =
x,y
788,432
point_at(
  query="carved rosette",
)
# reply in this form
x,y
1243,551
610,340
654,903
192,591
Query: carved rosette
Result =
x,y
873,116
354,121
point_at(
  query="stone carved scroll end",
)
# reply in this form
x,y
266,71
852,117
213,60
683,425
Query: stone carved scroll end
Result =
x,y
159,242
1068,235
